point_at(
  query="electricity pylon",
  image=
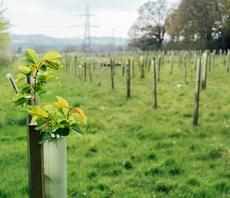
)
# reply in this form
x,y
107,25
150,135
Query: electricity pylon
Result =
x,y
86,47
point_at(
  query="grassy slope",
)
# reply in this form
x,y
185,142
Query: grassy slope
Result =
x,y
129,148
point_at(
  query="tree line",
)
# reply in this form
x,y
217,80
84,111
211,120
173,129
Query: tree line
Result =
x,y
191,24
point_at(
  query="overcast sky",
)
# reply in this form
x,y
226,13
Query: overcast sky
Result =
x,y
60,18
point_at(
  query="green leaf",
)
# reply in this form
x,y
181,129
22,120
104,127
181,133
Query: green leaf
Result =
x,y
76,129
62,131
42,92
48,107
28,108
42,67
38,87
53,115
24,88
65,122
51,56
48,73
64,111
53,64
80,120
32,56
53,79
39,112
45,137
61,104
42,78
41,122
25,70
34,119
58,98
19,99
25,61
19,77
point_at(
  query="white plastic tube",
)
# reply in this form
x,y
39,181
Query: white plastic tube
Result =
x,y
55,166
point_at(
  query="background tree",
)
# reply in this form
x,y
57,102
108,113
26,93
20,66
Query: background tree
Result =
x,y
148,31
4,26
198,22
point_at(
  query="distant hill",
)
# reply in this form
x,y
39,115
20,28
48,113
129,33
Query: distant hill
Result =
x,y
40,41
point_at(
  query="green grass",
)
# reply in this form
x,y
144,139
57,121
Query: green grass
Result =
x,y
131,149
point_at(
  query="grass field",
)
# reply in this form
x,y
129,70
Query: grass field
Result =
x,y
130,149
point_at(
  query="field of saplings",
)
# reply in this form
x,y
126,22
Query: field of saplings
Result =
x,y
141,138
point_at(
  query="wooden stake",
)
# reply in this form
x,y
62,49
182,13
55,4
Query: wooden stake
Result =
x,y
228,62
132,70
197,93
204,70
90,74
9,76
123,67
185,70
159,67
142,68
154,83
99,72
128,78
209,61
111,67
35,163
75,66
171,64
195,62
85,70
66,64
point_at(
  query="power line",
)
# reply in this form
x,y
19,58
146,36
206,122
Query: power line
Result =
x,y
87,38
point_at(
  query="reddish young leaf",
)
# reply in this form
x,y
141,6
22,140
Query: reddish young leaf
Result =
x,y
79,111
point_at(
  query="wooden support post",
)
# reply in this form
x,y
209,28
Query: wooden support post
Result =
x,y
171,64
123,67
85,70
180,61
224,58
75,66
195,62
99,72
149,65
66,65
204,70
228,62
113,63
9,76
162,58
90,74
142,68
111,67
36,163
79,70
154,83
128,78
209,61
159,68
213,57
185,70
197,93
132,70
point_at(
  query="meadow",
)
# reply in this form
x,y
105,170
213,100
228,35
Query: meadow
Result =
x,y
130,149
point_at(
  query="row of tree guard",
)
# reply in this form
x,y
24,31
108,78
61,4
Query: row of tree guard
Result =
x,y
200,61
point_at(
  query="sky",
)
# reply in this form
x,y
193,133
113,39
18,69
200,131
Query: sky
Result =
x,y
66,18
